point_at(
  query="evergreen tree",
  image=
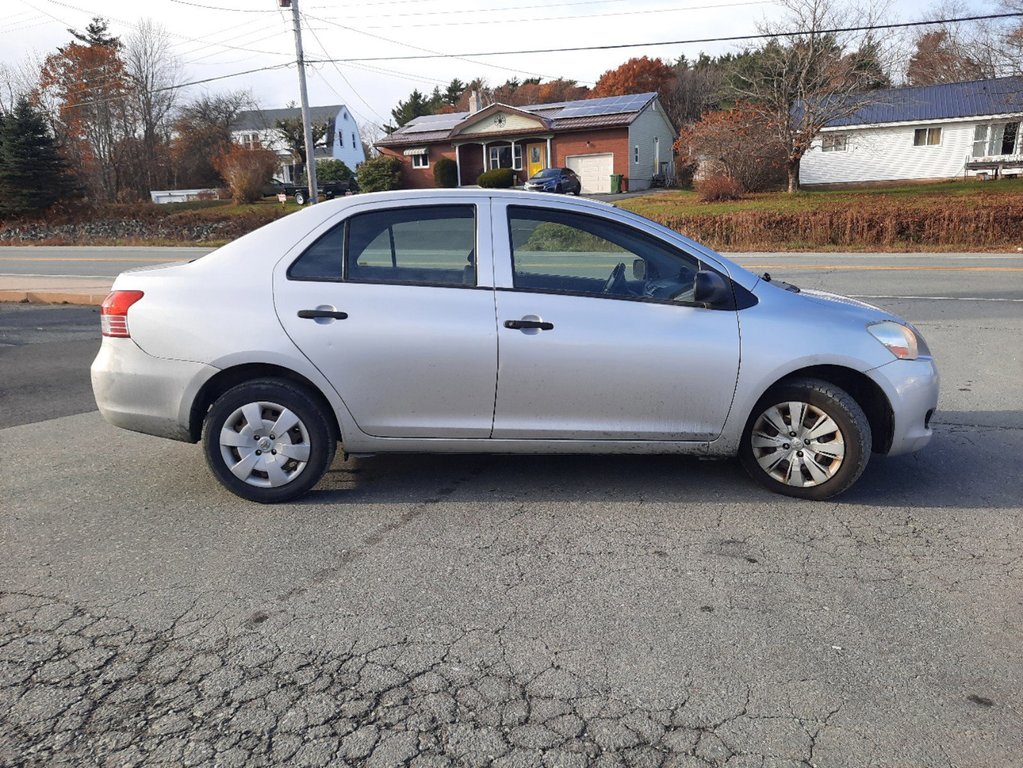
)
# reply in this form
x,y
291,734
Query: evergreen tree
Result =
x,y
454,92
97,33
415,106
33,175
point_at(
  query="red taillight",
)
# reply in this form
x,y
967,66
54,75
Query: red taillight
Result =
x,y
113,314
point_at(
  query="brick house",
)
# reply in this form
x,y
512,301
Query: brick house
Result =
x,y
627,135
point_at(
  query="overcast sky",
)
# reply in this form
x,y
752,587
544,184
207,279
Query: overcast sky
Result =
x,y
219,37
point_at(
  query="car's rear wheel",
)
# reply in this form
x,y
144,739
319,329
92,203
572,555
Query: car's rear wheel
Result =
x,y
300,197
268,441
806,438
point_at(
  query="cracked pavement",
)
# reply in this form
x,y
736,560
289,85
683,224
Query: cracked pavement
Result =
x,y
521,611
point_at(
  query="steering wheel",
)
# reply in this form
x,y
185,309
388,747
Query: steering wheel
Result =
x,y
616,280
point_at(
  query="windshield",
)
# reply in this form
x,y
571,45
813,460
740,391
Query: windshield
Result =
x,y
546,173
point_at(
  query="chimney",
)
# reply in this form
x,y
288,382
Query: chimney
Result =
x,y
475,102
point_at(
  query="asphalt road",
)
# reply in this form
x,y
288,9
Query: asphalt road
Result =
x,y
520,610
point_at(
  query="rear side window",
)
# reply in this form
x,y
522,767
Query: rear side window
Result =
x,y
427,245
433,245
322,259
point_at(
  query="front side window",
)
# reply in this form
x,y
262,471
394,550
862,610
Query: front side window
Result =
x,y
833,142
560,252
926,137
430,245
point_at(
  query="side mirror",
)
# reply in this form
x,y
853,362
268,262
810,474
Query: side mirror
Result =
x,y
639,269
711,290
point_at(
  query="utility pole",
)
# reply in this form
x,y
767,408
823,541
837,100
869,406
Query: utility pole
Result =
x,y
310,160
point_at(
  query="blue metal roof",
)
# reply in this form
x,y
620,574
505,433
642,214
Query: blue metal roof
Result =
x,y
940,102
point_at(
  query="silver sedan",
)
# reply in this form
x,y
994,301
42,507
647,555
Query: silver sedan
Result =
x,y
471,321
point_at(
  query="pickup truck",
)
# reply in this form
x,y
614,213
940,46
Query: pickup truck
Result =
x,y
327,189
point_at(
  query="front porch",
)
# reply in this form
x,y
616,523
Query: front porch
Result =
x,y
526,154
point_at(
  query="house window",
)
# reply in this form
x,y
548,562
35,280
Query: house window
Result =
x,y
506,156
926,137
354,144
996,139
635,154
834,142
340,139
251,141
421,160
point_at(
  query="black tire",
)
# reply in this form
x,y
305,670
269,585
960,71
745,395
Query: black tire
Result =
x,y
557,189
268,480
806,464
300,197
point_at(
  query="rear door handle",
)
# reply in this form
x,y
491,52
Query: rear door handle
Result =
x,y
313,314
520,324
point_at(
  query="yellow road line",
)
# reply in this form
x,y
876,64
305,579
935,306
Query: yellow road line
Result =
x,y
858,268
89,258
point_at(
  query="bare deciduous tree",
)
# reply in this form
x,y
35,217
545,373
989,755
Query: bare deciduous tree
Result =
x,y
801,83
152,71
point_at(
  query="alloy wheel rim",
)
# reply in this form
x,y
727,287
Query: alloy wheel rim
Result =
x,y
264,444
798,444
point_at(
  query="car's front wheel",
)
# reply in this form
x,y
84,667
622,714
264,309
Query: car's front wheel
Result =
x,y
268,441
300,197
806,438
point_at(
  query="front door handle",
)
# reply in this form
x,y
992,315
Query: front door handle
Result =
x,y
520,324
313,314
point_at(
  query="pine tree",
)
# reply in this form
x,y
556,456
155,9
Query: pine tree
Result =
x,y
33,175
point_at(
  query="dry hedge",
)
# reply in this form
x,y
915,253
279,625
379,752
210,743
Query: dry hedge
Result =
x,y
970,226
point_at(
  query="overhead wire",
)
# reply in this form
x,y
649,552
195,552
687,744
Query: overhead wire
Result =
x,y
431,54
534,19
691,41
345,79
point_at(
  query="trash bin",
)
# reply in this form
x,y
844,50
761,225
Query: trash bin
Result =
x,y
616,183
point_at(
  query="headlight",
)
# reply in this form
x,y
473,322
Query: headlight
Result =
x,y
903,341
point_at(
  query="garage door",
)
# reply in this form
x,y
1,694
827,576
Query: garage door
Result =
x,y
594,171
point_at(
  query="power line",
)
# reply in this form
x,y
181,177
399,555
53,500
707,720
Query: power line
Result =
x,y
462,12
343,77
532,19
430,53
221,8
698,40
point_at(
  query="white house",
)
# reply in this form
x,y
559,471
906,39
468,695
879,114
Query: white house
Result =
x,y
256,128
924,132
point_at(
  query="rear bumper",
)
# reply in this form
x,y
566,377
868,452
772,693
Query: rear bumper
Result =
x,y
137,391
912,389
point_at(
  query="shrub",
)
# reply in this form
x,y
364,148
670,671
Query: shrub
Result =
x,y
497,178
245,171
445,173
738,142
379,174
333,170
718,187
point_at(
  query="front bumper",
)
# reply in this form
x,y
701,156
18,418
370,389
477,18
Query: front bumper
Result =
x,y
537,188
137,391
912,389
